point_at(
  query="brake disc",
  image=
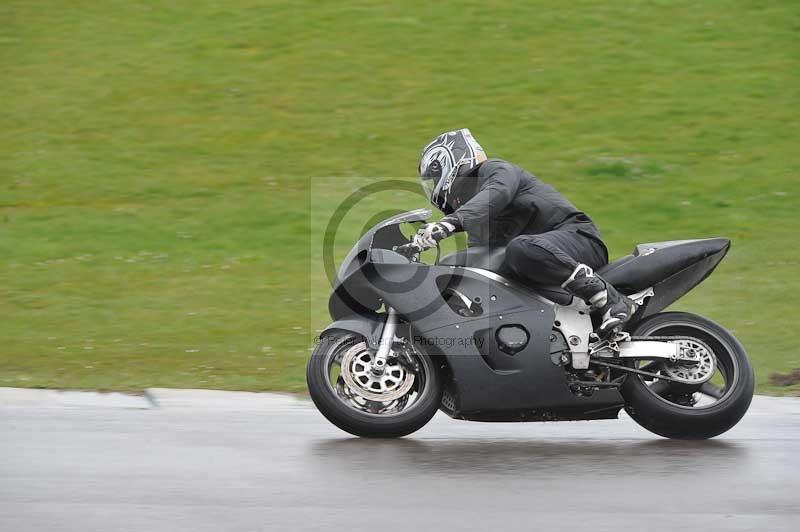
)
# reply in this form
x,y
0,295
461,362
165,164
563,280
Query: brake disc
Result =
x,y
701,371
356,371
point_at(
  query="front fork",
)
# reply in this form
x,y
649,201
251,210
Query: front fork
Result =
x,y
386,341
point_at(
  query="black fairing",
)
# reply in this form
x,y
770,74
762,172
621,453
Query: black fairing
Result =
x,y
671,268
356,296
482,382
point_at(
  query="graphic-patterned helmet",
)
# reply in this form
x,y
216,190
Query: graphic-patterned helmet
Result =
x,y
448,156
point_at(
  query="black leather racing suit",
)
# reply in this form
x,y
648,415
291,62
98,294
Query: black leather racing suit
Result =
x,y
546,236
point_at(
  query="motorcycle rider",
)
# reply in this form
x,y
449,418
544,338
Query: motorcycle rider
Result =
x,y
548,240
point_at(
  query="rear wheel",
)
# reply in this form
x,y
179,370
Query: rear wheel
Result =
x,y
397,402
719,387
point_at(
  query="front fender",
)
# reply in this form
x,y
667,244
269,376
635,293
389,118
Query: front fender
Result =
x,y
370,327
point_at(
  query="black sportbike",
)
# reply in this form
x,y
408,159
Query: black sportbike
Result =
x,y
410,338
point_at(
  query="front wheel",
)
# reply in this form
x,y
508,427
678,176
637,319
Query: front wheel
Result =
x,y
719,388
394,403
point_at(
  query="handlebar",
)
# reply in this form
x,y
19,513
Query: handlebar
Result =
x,y
411,251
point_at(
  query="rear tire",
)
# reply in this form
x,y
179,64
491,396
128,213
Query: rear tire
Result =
x,y
359,423
666,418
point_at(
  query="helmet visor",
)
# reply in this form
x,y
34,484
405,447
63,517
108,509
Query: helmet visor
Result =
x,y
428,186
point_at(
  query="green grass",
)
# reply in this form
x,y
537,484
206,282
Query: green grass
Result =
x,y
159,162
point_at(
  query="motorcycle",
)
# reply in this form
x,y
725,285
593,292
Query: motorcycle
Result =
x,y
463,337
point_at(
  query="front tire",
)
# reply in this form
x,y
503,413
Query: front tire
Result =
x,y
692,412
344,405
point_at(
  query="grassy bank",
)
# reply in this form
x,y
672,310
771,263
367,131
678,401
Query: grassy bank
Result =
x,y
159,162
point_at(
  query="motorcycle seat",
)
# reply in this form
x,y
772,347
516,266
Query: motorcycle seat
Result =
x,y
648,265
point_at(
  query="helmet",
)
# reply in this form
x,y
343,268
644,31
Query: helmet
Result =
x,y
450,155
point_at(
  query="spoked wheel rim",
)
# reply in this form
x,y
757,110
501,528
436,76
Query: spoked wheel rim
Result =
x,y
701,389
399,389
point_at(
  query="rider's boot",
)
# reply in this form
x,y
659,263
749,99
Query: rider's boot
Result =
x,y
612,308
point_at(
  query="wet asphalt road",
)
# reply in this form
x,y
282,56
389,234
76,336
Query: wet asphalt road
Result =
x,y
283,467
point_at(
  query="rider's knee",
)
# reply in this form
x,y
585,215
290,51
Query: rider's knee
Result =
x,y
521,251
